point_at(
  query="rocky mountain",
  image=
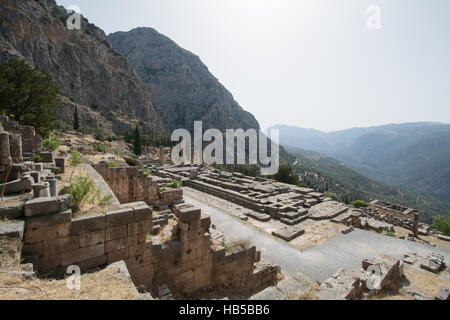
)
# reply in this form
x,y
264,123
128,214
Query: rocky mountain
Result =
x,y
415,156
88,71
180,85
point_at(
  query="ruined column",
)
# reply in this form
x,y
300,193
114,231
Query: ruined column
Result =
x,y
5,151
161,156
416,225
15,145
53,184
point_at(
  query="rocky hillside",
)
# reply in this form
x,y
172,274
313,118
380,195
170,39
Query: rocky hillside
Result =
x,y
88,71
180,85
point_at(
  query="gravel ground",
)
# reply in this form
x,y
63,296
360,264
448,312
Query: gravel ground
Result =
x,y
317,262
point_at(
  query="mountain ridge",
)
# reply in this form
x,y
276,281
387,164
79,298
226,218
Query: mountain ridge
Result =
x,y
180,84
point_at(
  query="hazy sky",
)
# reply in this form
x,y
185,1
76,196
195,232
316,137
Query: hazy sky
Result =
x,y
309,63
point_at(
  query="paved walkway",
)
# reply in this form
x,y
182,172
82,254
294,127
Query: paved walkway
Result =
x,y
318,262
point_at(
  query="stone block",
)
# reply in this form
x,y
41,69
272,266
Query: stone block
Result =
x,y
140,227
87,224
119,217
142,212
120,244
50,220
45,206
33,235
60,163
11,211
47,156
82,254
12,230
188,213
60,245
117,255
92,238
116,232
16,186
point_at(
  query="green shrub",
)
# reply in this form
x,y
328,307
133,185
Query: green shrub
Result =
x,y
106,200
36,158
442,223
99,135
101,148
83,191
360,204
62,126
391,234
175,184
84,130
51,143
113,164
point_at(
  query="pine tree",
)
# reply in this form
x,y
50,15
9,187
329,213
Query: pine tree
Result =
x,y
76,120
28,95
137,143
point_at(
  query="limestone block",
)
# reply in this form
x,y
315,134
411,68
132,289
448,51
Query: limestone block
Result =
x,y
87,224
60,245
46,206
92,239
12,230
17,186
119,217
116,232
50,220
11,211
120,244
118,255
60,163
33,235
82,254
47,156
41,190
140,227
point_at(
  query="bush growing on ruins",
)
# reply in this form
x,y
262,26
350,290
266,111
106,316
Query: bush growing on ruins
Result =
x,y
442,223
28,95
359,204
113,164
76,159
333,196
52,142
83,191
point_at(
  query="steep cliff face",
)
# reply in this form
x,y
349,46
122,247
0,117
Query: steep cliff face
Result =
x,y
83,63
181,87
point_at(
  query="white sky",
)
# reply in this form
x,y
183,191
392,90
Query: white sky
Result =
x,y
309,63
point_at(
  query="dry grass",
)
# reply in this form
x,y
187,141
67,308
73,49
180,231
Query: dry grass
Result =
x,y
426,282
9,254
107,284
308,294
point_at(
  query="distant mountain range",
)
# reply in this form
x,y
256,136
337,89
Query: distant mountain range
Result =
x,y
410,156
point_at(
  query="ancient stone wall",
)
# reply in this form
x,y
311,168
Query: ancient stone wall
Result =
x,y
129,183
187,263
31,143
